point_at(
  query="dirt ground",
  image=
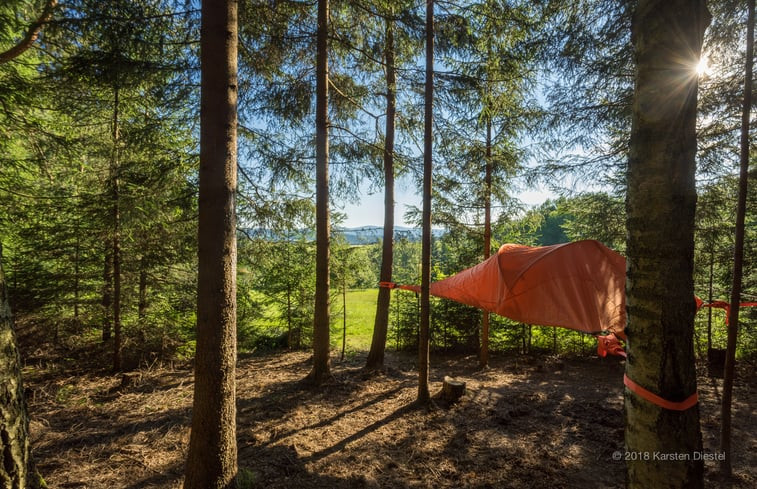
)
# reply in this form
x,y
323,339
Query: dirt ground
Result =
x,y
527,422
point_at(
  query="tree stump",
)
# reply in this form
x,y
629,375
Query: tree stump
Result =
x,y
452,390
131,379
716,362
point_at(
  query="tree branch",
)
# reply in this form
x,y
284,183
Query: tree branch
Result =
x,y
32,35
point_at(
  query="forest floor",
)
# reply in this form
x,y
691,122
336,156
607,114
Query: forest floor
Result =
x,y
526,422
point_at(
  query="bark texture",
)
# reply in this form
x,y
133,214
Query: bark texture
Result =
x,y
17,470
116,238
321,346
107,299
424,397
212,459
483,360
738,253
381,325
660,207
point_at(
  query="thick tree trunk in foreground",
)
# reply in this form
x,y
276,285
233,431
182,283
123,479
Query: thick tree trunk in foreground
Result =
x,y
212,459
381,325
17,469
738,255
424,397
660,206
321,346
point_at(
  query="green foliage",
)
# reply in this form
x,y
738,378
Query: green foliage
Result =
x,y
59,161
551,228
361,310
284,273
598,215
111,105
247,478
482,96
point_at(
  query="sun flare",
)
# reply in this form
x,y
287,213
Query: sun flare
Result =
x,y
702,66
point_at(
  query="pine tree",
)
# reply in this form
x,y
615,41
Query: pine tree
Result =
x,y
660,222
375,360
424,397
18,469
212,458
738,253
321,327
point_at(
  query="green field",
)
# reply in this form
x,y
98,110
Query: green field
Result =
x,y
268,328
361,311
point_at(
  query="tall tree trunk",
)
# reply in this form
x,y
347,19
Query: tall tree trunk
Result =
x,y
554,341
398,343
142,286
116,238
375,359
290,339
212,458
77,260
290,286
142,294
709,309
483,360
660,206
77,271
344,313
17,470
424,396
142,300
107,299
738,255
530,337
321,344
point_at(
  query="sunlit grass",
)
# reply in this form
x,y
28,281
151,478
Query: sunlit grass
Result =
x,y
361,311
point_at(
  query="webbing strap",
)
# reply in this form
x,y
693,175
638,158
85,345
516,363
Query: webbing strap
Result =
x,y
392,285
659,401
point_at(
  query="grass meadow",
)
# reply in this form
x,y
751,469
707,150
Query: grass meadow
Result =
x,y
361,311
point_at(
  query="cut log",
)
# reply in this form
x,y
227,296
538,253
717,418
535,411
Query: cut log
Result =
x,y
716,362
452,390
131,379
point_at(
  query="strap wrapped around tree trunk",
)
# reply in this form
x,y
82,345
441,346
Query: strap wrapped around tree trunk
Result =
x,y
659,401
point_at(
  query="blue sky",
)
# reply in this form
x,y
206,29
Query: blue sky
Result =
x,y
370,210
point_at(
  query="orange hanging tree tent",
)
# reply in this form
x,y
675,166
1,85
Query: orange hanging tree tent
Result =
x,y
579,285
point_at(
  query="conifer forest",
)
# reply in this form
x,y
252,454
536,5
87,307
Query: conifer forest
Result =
x,y
378,244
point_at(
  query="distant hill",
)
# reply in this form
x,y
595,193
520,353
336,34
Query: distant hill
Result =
x,y
355,236
372,234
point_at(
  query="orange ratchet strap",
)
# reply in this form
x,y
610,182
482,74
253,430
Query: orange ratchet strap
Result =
x,y
659,401
392,285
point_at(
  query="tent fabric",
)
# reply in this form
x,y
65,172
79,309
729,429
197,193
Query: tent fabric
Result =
x,y
579,285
